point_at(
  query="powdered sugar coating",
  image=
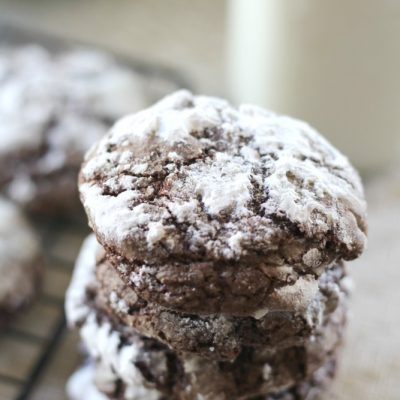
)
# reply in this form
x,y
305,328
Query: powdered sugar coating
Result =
x,y
222,183
106,344
53,107
19,258
80,385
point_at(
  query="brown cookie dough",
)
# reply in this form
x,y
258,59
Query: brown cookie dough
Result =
x,y
20,261
290,319
53,107
193,179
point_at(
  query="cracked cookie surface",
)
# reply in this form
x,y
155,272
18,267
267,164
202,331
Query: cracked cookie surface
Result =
x,y
195,179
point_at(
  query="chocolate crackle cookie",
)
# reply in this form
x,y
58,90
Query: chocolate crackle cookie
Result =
x,y
132,366
20,261
53,107
287,322
216,270
214,202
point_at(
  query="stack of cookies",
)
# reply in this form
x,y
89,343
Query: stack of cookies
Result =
x,y
216,269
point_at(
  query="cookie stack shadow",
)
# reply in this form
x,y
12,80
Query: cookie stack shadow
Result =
x,y
261,325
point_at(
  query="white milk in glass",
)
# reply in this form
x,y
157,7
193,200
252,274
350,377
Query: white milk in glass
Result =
x,y
334,63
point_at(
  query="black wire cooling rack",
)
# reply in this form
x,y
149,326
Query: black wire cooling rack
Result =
x,y
32,339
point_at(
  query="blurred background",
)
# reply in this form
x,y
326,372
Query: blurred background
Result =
x,y
335,64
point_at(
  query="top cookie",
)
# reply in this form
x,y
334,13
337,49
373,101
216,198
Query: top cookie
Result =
x,y
53,107
193,178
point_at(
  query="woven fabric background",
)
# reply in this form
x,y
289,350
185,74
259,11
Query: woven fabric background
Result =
x,y
370,368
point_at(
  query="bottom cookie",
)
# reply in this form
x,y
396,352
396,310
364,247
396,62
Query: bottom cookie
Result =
x,y
83,386
133,366
127,361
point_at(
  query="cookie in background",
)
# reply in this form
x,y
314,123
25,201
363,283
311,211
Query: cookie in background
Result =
x,y
53,107
20,262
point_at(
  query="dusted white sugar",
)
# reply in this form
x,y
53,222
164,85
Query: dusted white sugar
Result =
x,y
222,170
235,242
105,344
156,233
113,208
80,385
173,155
118,304
104,378
140,168
183,211
223,185
250,154
138,278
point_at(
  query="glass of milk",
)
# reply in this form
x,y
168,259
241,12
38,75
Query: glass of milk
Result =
x,y
335,64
